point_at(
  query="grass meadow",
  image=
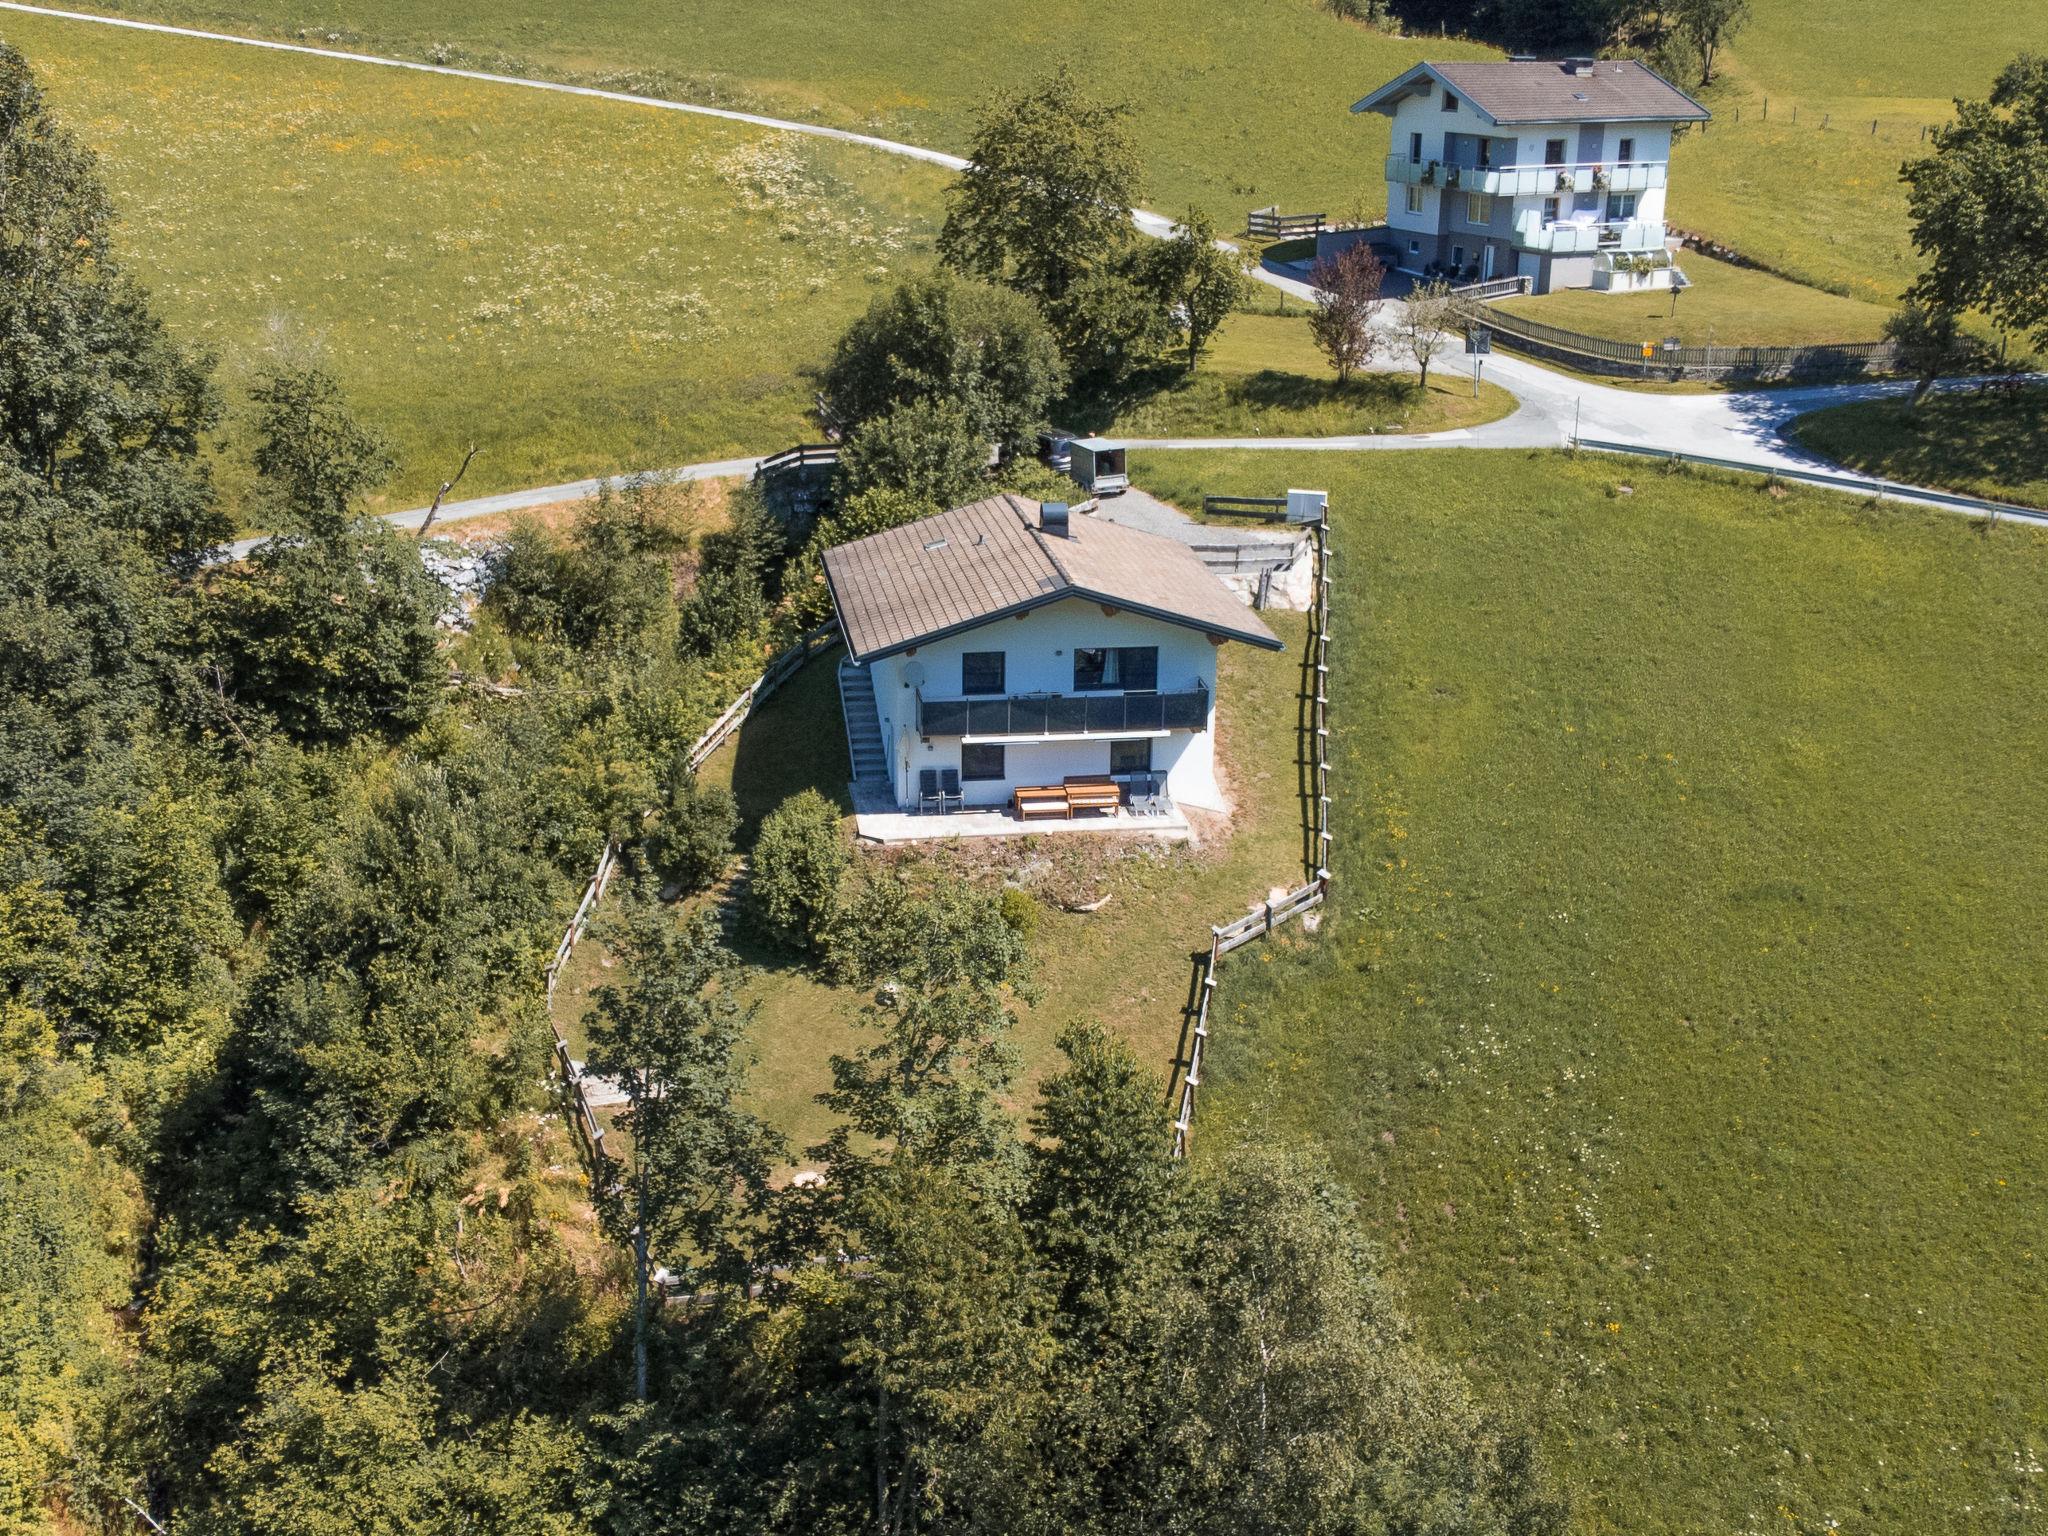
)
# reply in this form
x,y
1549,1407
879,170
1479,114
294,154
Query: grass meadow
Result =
x,y
1994,446
579,287
1240,106
1680,1019
1727,306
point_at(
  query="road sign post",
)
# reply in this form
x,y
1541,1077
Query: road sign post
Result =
x,y
1479,344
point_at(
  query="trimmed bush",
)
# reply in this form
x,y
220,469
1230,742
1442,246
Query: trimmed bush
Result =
x,y
693,845
797,863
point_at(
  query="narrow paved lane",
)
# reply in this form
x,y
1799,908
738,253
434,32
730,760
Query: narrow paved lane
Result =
x,y
1745,426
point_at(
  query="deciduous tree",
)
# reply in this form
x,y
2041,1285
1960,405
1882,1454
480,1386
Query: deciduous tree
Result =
x,y
1426,322
1198,281
1347,288
1979,205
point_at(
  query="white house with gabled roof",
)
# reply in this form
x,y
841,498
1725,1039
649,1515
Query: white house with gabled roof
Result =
x,y
1550,169
1008,646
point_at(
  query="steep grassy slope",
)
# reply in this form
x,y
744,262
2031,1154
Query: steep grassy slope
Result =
x,y
576,286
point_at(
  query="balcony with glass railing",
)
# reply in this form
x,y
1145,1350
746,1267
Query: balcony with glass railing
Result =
x,y
1564,237
1527,180
1053,716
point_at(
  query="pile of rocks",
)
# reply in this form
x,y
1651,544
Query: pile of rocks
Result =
x,y
465,570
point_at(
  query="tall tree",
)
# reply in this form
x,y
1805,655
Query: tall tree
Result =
x,y
673,1040
1347,289
1046,197
1707,24
942,968
938,337
1979,205
330,626
316,458
927,449
95,397
1199,281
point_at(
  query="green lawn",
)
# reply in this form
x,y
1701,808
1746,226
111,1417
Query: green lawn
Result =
x,y
576,286
1681,1017
1983,445
1263,377
1726,306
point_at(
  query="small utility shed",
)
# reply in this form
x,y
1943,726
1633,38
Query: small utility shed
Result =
x,y
1017,646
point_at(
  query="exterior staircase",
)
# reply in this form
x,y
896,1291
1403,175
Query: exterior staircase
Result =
x,y
863,728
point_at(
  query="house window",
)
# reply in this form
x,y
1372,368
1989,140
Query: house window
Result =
x,y
1450,102
1550,210
1130,756
1485,154
1133,668
1553,151
1478,208
1625,151
981,760
1621,207
1414,199
981,672
1415,149
1414,247
1457,257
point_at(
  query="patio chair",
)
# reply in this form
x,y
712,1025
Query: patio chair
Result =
x,y
928,793
950,791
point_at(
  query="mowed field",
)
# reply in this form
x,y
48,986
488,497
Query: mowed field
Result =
x,y
578,287
1682,1020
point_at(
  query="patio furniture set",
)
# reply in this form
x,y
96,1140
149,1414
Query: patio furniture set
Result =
x,y
938,790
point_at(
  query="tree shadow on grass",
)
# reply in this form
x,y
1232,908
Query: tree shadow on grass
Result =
x,y
795,741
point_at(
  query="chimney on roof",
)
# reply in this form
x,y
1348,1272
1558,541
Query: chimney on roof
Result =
x,y
1579,67
1052,518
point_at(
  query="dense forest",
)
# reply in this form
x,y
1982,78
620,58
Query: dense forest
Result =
x,y
292,1235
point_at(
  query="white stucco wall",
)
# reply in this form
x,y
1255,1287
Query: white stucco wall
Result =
x,y
1038,652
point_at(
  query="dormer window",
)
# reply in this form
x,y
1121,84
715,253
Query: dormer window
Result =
x,y
1450,102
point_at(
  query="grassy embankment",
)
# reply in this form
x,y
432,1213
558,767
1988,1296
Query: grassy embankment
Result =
x,y
1727,306
1680,1019
1263,377
1994,446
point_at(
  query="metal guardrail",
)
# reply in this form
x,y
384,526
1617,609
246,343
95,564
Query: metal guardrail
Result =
x,y
1860,356
1495,288
1853,484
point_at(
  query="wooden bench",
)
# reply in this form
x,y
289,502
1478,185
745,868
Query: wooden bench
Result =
x,y
1093,792
1040,800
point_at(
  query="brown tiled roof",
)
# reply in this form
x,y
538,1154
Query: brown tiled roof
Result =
x,y
1546,91
959,569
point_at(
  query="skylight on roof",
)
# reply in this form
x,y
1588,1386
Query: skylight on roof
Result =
x,y
935,546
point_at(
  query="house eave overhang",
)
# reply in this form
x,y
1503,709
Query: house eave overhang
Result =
x,y
1389,96
1257,637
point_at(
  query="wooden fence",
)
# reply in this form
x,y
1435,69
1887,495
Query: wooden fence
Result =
x,y
1653,356
778,671
1272,224
794,460
572,1074
1225,937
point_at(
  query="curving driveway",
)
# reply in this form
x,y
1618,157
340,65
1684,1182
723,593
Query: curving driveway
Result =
x,y
1743,426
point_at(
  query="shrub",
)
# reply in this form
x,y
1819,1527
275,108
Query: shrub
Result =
x,y
1019,911
926,448
797,863
693,844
